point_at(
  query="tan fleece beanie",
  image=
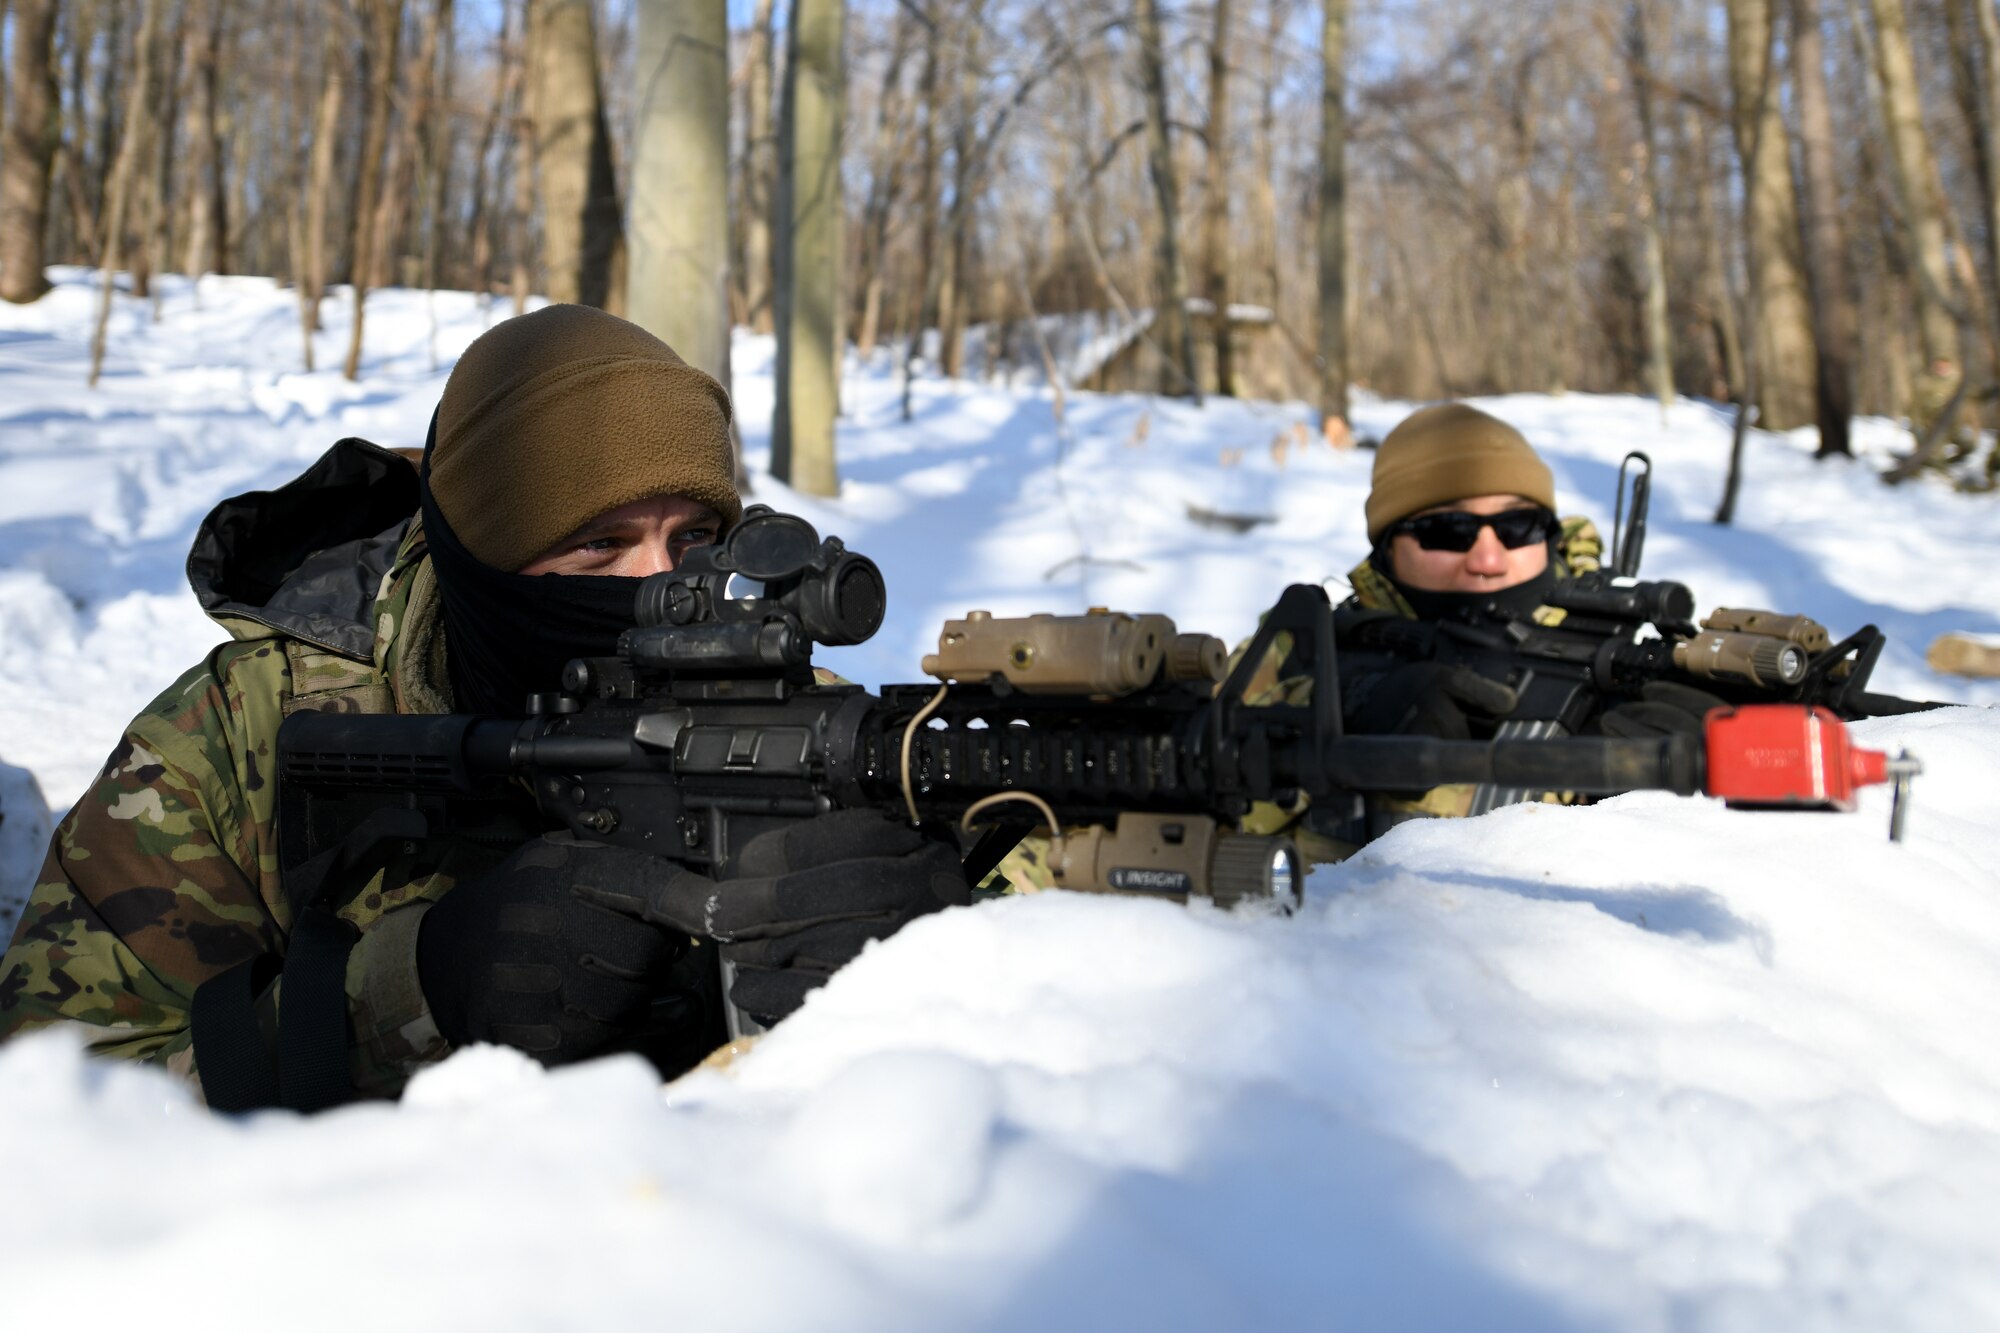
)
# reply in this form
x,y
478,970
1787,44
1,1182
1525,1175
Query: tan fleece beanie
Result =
x,y
1452,452
554,417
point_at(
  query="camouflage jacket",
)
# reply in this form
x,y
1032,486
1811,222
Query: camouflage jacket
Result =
x,y
166,873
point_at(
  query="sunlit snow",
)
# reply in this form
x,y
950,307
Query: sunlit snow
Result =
x,y
1647,1065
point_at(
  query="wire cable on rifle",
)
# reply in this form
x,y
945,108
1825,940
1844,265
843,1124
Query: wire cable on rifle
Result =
x,y
909,735
1047,812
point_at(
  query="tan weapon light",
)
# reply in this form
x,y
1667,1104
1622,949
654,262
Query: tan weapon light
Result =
x,y
1104,652
1179,857
1758,658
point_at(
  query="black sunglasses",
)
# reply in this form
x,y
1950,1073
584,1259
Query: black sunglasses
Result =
x,y
1456,530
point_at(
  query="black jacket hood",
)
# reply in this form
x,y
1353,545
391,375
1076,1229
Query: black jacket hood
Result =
x,y
307,558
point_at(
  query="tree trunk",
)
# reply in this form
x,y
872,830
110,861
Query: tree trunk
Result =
x,y
760,176
1170,308
521,212
1974,28
208,210
955,280
926,280
1266,192
1780,314
438,142
808,250
153,254
118,189
581,236
1915,173
883,187
680,181
1333,216
1653,250
1987,23
108,119
325,136
385,30
479,227
33,126
1716,293
400,171
294,176
1215,238
1834,317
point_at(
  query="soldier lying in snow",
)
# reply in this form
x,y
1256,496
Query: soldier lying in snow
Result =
x,y
572,453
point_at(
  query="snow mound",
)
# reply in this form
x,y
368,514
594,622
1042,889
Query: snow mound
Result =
x,y
1651,1064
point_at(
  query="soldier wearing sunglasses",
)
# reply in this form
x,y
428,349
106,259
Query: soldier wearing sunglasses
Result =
x,y
1461,515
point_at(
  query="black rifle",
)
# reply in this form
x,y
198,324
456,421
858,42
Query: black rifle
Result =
x,y
710,727
1613,634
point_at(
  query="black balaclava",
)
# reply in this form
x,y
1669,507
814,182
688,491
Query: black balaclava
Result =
x,y
1519,600
508,635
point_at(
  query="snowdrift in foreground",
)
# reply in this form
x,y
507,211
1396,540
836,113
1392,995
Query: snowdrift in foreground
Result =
x,y
1647,1065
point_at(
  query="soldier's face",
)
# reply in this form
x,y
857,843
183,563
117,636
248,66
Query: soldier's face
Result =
x,y
1488,567
645,537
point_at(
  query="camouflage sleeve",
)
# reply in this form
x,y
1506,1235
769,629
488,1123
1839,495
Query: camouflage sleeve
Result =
x,y
144,894
166,874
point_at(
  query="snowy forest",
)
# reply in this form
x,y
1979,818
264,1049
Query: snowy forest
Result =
x,y
1790,202
1054,310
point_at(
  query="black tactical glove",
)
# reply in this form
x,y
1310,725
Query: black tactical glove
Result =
x,y
1663,708
523,956
1429,699
804,900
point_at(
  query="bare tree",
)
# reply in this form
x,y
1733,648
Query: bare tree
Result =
x,y
760,171
680,172
118,190
1653,246
521,210
581,237
1170,306
1780,313
954,274
1215,204
926,283
414,93
884,185
28,150
384,34
319,187
1834,318
1333,215
1914,171
808,250
208,207
1981,94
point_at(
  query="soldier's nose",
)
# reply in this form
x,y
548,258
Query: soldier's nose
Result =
x,y
652,556
1488,555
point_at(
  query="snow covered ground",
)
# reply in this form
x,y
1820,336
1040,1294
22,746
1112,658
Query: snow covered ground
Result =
x,y
1651,1064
